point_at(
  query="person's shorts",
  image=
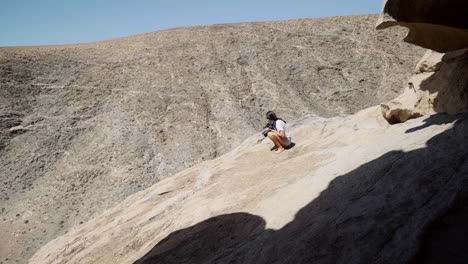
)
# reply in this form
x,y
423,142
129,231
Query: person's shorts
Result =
x,y
287,141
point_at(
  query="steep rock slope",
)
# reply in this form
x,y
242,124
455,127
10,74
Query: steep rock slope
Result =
x,y
353,190
84,126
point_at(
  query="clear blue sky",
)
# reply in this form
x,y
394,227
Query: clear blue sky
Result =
x,y
48,22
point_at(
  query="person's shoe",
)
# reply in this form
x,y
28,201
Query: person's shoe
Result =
x,y
280,150
273,148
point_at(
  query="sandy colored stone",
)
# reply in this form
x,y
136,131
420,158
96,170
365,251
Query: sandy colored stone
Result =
x,y
355,190
430,62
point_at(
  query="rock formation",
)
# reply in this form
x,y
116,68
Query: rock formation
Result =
x,y
441,81
440,85
84,126
434,24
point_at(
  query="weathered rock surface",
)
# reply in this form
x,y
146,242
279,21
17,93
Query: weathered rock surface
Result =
x,y
430,62
434,24
353,190
84,126
440,85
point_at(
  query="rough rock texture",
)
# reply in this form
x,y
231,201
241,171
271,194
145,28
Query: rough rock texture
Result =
x,y
353,190
440,25
440,85
84,126
430,62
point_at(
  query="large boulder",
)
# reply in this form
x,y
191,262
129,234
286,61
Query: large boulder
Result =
x,y
440,25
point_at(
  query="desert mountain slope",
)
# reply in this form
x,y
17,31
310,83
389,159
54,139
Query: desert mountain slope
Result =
x,y
353,190
84,126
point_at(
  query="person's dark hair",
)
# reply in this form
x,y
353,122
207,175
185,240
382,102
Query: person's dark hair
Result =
x,y
272,116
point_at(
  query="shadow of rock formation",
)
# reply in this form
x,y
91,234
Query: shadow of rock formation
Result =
x,y
403,207
450,84
437,119
203,242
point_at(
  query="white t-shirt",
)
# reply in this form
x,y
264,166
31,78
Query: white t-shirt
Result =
x,y
281,125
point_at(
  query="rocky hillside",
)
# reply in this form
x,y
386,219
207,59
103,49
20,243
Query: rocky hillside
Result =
x,y
84,126
385,185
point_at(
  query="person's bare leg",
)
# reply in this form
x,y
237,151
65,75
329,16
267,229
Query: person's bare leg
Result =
x,y
273,138
280,150
277,140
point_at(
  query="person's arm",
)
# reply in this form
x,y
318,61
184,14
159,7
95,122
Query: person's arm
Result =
x,y
282,134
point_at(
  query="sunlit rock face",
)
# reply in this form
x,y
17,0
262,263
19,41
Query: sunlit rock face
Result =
x,y
440,25
352,190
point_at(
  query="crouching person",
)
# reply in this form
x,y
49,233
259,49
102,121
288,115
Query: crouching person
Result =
x,y
278,132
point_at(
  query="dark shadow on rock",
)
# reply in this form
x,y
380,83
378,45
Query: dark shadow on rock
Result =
x,y
437,119
450,83
393,209
290,145
446,239
7,121
206,241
